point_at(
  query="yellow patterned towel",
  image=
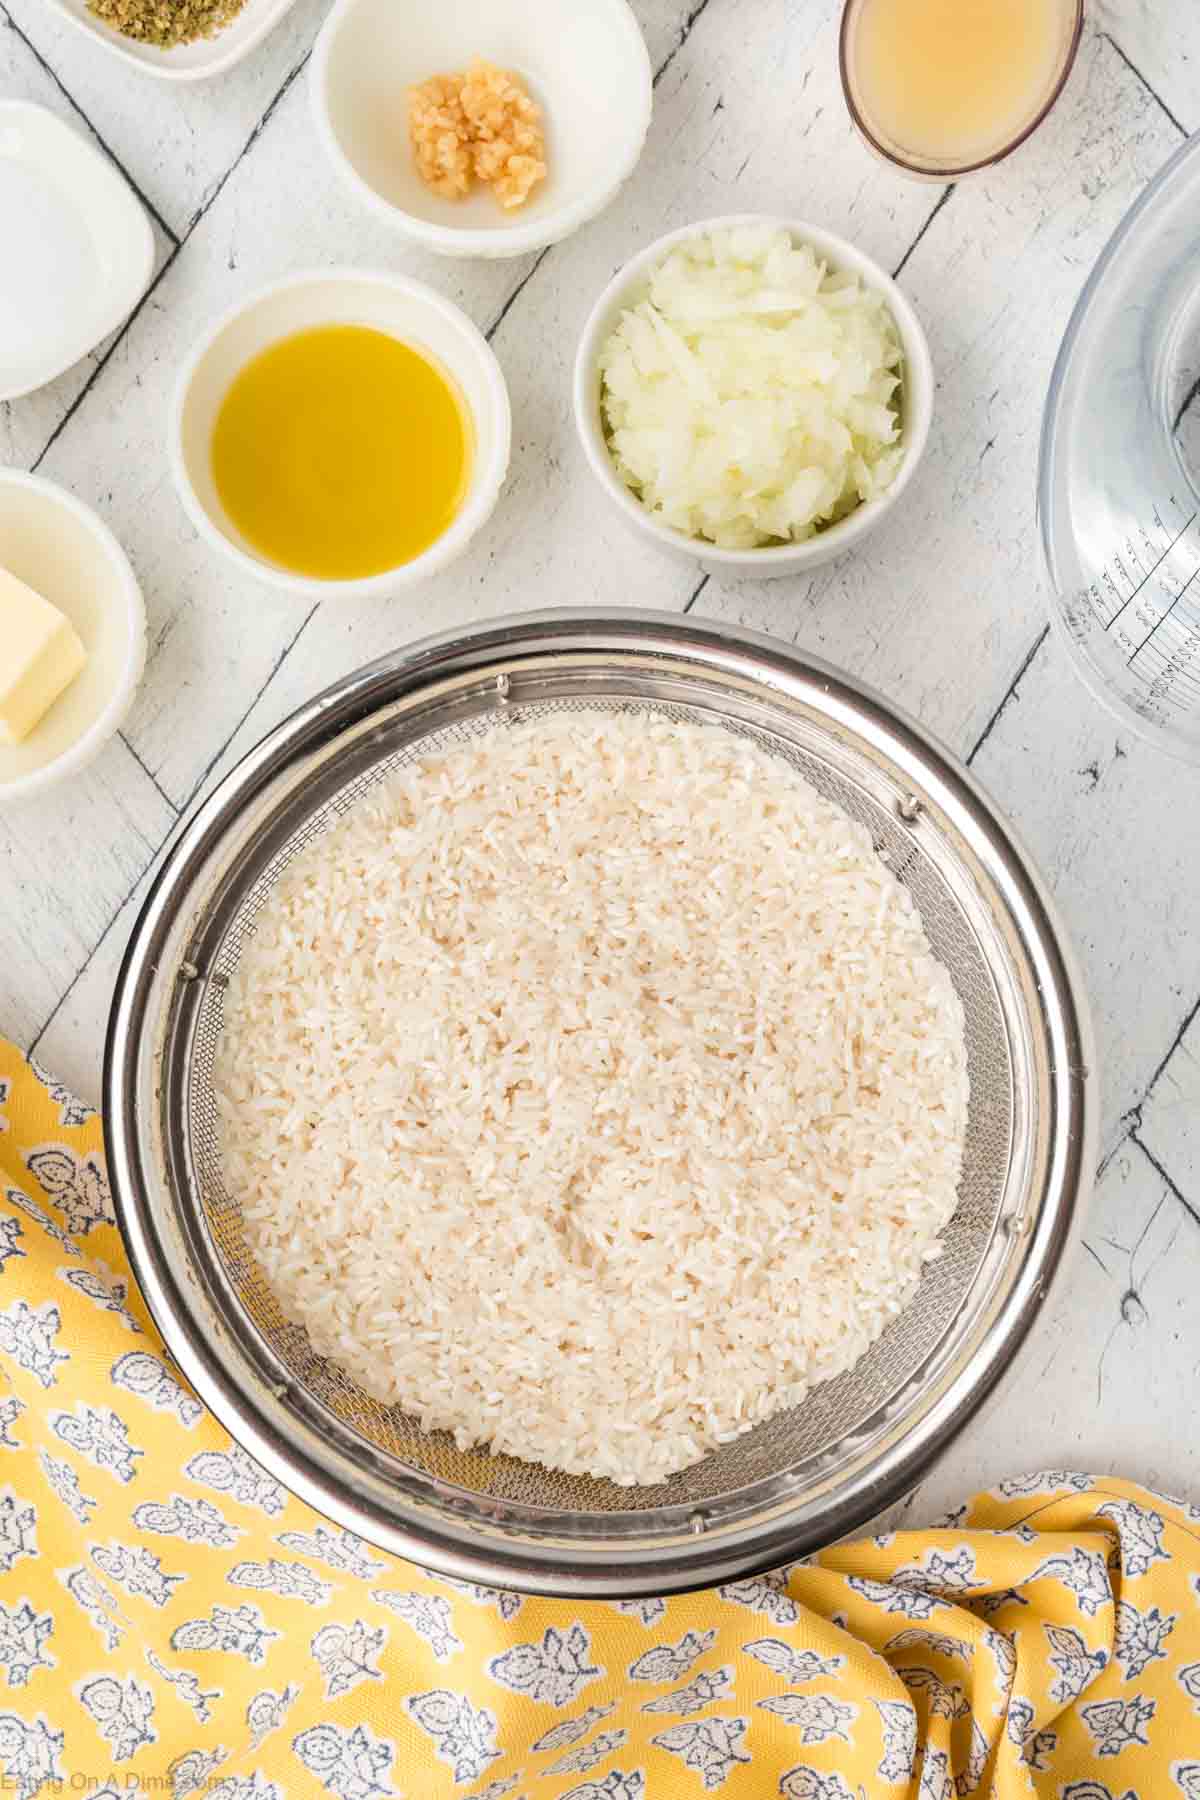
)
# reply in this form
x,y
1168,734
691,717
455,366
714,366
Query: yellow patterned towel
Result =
x,y
173,1623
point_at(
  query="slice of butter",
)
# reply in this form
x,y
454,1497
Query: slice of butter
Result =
x,y
40,655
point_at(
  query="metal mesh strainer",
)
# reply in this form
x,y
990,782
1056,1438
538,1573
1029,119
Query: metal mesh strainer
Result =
x,y
803,1477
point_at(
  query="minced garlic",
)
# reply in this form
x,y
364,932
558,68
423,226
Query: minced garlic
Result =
x,y
479,125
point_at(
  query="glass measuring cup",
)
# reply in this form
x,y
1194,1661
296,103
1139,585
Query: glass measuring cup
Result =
x,y
1119,475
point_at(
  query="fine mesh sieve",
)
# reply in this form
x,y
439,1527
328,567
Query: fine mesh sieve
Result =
x,y
801,1478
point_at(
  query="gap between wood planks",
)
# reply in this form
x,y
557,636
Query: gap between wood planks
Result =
x,y
177,242
71,101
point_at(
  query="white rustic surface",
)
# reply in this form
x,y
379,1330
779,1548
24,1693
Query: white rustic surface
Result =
x,y
943,610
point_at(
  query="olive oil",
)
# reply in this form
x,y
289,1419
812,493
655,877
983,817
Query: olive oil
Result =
x,y
955,82
341,452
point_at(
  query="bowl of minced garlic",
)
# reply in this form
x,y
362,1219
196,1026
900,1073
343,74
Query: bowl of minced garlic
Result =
x,y
483,130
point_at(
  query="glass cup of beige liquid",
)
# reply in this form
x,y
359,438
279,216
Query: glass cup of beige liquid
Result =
x,y
941,87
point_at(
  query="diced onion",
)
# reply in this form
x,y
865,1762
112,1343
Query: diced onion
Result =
x,y
752,396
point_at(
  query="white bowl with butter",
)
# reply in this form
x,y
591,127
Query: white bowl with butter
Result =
x,y
52,543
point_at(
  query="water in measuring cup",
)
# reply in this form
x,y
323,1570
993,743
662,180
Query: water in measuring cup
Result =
x,y
1145,592
1120,478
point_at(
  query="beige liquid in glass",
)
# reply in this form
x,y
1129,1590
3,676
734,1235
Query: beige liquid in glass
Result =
x,y
952,82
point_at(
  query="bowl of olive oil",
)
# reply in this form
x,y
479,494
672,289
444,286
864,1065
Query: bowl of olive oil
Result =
x,y
341,434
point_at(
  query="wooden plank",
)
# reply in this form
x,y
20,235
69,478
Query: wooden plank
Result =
x,y
183,137
67,862
27,424
1170,1122
177,138
1163,44
1107,1380
214,636
555,540
1115,826
942,610
72,1043
939,608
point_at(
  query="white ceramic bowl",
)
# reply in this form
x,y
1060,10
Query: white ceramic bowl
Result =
x,y
69,225
916,401
584,62
60,547
186,62
405,309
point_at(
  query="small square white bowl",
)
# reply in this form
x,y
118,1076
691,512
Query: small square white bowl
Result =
x,y
186,62
89,240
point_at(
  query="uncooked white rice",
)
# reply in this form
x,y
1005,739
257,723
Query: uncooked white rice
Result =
x,y
592,1091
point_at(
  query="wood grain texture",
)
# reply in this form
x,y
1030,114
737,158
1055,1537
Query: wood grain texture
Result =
x,y
28,424
1169,1128
943,609
1163,44
71,1041
179,139
1107,1380
551,508
215,636
1115,827
68,859
940,607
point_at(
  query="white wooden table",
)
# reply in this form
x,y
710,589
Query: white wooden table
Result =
x,y
943,610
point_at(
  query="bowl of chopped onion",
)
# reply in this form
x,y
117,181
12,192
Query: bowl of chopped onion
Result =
x,y
754,393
